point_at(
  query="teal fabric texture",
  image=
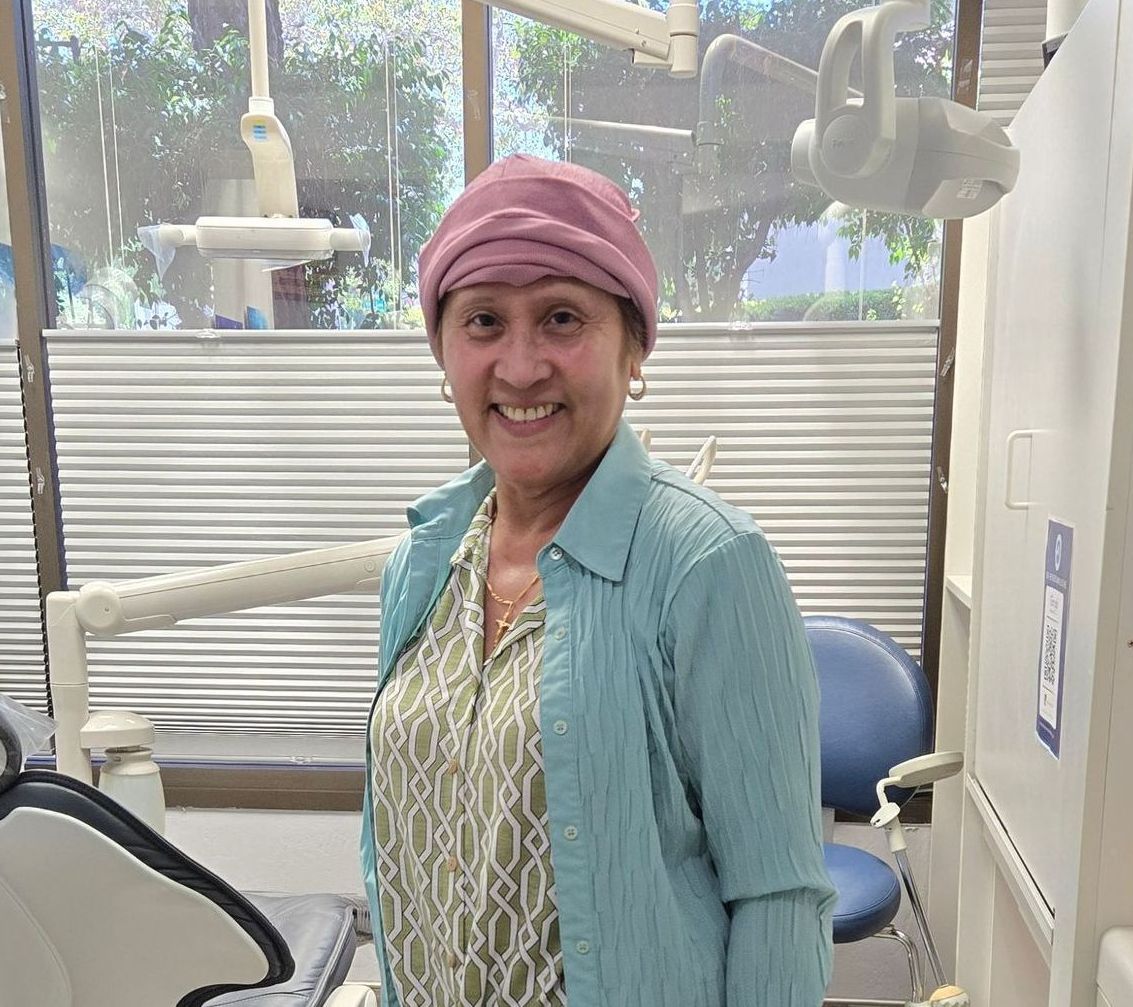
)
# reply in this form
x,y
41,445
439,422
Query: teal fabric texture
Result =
x,y
679,719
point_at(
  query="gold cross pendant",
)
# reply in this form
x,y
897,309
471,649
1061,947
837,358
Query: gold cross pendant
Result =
x,y
502,626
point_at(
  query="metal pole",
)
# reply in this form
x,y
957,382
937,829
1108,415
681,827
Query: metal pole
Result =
x,y
902,858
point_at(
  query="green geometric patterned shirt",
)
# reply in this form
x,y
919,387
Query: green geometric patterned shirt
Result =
x,y
460,807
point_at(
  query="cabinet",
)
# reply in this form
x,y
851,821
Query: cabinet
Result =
x,y
1037,851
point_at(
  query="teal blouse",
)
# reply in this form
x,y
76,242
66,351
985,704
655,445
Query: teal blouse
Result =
x,y
679,718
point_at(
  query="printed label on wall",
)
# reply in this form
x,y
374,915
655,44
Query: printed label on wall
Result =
x,y
1052,645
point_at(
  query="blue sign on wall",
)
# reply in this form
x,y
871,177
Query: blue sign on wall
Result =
x,y
1052,645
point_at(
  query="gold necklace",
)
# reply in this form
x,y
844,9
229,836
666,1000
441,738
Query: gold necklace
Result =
x,y
504,624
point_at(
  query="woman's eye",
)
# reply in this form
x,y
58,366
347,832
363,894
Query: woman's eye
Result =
x,y
563,319
482,320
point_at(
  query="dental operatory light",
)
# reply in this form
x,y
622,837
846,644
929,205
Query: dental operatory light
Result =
x,y
279,236
930,157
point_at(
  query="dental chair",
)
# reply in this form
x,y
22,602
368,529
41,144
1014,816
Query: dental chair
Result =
x,y
98,910
876,729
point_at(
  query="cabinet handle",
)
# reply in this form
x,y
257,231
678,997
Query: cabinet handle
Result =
x,y
1012,437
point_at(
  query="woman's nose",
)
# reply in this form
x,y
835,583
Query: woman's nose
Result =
x,y
522,361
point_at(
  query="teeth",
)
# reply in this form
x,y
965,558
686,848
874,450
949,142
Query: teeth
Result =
x,y
527,415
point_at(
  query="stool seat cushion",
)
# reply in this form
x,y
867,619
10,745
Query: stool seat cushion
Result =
x,y
869,894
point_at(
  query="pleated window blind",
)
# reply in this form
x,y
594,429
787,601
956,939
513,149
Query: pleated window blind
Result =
x,y
177,451
825,436
1011,57
21,630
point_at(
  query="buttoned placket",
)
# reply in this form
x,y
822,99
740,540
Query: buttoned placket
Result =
x,y
462,712
569,854
462,724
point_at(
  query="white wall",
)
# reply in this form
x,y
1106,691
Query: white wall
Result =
x,y
273,851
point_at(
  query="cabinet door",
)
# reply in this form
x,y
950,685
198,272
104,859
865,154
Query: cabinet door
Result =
x,y
1054,342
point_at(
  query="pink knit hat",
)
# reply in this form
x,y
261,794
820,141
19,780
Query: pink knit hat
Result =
x,y
524,218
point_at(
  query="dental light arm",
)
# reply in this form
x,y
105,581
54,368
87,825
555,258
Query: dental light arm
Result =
x,y
104,609
278,235
930,157
664,41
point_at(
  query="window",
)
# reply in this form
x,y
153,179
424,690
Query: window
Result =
x,y
141,105
178,452
273,443
801,334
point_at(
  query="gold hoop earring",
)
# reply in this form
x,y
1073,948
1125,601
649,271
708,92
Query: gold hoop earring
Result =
x,y
637,394
446,392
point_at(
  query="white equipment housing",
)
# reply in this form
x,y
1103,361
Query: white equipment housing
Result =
x,y
930,157
278,236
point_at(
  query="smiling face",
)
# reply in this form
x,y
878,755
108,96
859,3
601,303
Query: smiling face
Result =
x,y
539,376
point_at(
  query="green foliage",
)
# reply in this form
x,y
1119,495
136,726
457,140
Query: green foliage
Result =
x,y
844,306
709,215
170,117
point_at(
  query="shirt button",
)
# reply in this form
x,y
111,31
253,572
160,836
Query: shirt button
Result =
x,y
560,727
582,947
560,633
570,832
556,553
453,959
452,863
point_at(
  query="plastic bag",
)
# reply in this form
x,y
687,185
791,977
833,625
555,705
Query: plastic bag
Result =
x,y
23,732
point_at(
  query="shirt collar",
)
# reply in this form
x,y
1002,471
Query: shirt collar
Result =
x,y
597,531
448,510
473,547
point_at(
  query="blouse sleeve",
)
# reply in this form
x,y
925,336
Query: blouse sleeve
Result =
x,y
746,705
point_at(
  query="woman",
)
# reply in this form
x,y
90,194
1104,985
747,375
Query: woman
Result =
x,y
593,769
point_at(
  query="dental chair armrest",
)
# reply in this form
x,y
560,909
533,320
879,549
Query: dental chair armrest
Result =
x,y
352,995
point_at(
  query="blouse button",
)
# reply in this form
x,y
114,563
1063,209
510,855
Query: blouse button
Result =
x,y
556,553
570,832
452,863
560,727
583,947
453,767
560,633
453,959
